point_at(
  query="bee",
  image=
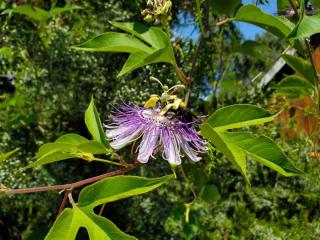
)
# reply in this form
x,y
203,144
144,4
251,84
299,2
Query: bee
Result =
x,y
183,115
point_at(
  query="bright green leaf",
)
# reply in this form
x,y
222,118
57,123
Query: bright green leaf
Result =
x,y
236,156
146,44
137,60
238,116
4,156
94,124
82,215
72,139
115,188
114,42
154,36
70,220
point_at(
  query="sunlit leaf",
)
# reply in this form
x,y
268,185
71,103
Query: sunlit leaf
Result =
x,y
115,188
94,124
114,42
82,215
238,116
4,156
237,145
146,44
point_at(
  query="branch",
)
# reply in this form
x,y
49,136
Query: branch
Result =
x,y
70,186
193,66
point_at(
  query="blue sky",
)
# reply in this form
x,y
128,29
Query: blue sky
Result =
x,y
188,30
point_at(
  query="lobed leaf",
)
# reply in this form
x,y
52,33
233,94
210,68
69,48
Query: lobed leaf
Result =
x,y
82,214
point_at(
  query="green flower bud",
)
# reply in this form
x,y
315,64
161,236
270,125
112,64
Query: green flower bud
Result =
x,y
149,18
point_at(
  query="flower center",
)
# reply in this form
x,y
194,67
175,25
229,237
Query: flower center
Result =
x,y
154,116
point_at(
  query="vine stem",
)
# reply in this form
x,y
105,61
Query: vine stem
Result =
x,y
63,203
71,186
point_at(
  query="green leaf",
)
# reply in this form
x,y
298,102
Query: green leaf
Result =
x,y
210,193
70,220
236,156
4,156
237,145
94,125
278,26
39,14
307,25
114,42
283,6
294,87
254,49
146,44
238,116
6,52
137,60
301,66
82,215
59,10
32,12
264,150
72,138
228,7
154,36
115,188
58,151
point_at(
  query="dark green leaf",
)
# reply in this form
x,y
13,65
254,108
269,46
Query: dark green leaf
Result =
x,y
264,150
228,7
301,66
278,26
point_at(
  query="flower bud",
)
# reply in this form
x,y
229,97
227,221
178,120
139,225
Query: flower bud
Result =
x,y
149,18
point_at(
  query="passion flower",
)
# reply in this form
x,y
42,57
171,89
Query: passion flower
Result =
x,y
167,132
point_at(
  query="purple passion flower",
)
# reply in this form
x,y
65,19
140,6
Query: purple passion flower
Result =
x,y
130,122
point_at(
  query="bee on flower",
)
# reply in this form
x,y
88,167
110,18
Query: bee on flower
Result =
x,y
163,123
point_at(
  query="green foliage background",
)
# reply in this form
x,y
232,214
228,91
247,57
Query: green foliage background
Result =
x,y
49,86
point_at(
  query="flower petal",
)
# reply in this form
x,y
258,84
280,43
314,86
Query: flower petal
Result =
x,y
170,147
148,144
126,137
